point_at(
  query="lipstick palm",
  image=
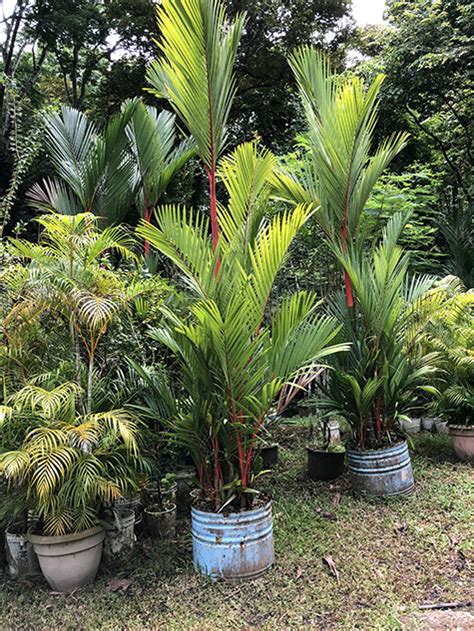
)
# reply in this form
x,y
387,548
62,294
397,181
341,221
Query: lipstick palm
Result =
x,y
340,167
236,349
195,74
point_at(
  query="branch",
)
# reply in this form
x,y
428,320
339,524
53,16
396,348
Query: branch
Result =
x,y
443,148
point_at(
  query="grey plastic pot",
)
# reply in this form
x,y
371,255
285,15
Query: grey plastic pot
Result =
x,y
69,561
120,537
168,495
161,524
21,557
411,426
441,427
428,423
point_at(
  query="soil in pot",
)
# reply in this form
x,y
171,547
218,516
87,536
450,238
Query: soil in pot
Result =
x,y
325,465
161,523
120,535
269,455
20,555
463,441
70,561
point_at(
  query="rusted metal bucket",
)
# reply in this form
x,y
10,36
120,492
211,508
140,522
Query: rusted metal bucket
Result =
x,y
381,472
233,546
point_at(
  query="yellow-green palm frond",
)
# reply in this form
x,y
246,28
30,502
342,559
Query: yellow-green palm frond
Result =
x,y
51,403
122,422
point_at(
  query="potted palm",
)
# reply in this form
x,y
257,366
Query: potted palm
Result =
x,y
68,466
374,382
375,386
236,350
450,333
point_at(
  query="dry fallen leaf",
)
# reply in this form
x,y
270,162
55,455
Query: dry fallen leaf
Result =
x,y
336,500
118,585
299,572
332,566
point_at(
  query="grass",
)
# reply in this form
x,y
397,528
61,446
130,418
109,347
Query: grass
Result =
x,y
391,556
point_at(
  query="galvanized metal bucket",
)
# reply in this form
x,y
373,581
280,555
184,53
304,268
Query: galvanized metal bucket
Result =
x,y
382,472
233,546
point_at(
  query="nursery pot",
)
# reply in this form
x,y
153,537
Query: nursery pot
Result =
x,y
235,545
382,472
269,455
120,538
463,442
411,426
168,495
441,426
428,423
161,524
184,483
21,557
325,465
69,561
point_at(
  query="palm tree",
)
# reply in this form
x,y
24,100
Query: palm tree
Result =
x,y
156,156
340,167
236,352
65,465
68,275
94,169
376,382
195,74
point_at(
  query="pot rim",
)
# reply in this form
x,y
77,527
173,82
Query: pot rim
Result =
x,y
383,450
160,512
253,511
61,539
315,450
459,426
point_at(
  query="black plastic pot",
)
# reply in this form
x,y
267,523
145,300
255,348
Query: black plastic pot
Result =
x,y
269,455
325,465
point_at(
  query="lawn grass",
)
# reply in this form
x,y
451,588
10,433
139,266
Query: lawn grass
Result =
x,y
391,556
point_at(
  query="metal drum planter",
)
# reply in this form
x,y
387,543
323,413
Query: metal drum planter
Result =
x,y
233,546
381,472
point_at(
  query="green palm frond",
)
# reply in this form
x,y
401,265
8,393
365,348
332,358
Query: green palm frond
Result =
x,y
195,73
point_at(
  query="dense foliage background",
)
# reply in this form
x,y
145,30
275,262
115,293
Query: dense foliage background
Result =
x,y
93,55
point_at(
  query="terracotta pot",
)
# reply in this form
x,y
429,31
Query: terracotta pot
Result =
x,y
161,524
69,561
463,441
